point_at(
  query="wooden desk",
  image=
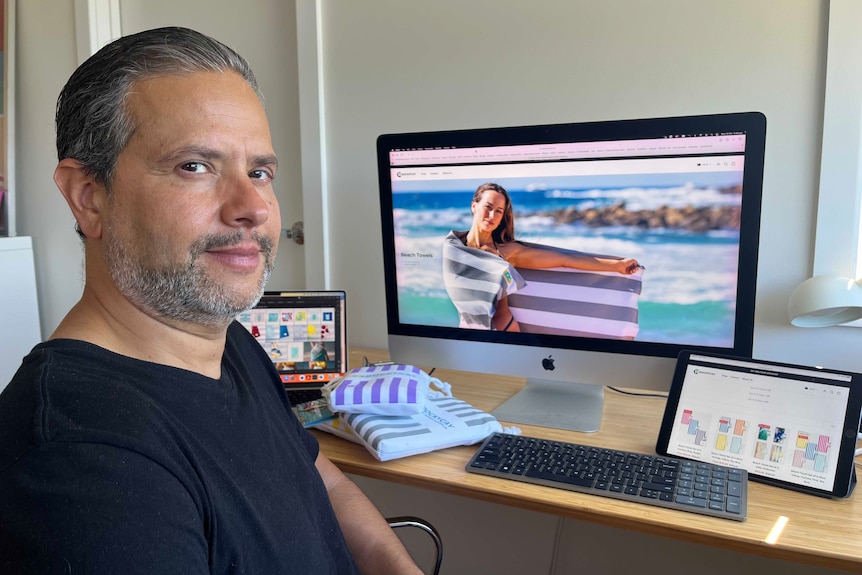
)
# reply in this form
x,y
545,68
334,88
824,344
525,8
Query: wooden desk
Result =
x,y
819,531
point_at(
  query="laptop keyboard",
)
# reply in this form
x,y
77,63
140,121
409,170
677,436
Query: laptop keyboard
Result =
x,y
297,396
650,479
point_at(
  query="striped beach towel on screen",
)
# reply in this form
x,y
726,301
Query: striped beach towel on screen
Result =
x,y
474,280
557,301
566,301
443,422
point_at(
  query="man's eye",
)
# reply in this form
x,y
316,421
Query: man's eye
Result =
x,y
196,167
260,175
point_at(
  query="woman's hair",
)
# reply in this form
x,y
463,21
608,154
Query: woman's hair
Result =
x,y
505,230
92,122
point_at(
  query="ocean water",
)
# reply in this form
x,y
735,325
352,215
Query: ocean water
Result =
x,y
689,285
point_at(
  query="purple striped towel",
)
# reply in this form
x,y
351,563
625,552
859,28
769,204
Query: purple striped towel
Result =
x,y
384,390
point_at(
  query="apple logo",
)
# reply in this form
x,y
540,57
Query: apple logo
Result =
x,y
548,363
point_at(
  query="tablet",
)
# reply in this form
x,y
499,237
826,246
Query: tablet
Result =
x,y
789,425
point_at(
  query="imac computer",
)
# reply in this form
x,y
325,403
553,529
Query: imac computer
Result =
x,y
627,242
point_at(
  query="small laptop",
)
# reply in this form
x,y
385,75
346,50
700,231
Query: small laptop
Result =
x,y
792,426
304,333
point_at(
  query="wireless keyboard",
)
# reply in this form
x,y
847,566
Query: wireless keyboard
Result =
x,y
651,479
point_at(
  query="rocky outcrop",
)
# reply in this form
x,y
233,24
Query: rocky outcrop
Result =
x,y
690,218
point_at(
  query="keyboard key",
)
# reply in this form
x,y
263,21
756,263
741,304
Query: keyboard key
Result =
x,y
693,501
734,505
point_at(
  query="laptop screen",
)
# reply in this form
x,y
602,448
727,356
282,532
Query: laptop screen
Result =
x,y
304,333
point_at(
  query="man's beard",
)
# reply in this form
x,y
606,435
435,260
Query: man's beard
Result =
x,y
184,292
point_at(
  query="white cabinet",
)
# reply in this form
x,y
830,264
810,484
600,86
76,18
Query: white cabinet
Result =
x,y
19,309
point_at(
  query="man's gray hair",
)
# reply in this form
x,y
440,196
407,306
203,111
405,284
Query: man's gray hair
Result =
x,y
92,122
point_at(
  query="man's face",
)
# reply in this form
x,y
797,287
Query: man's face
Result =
x,y
192,221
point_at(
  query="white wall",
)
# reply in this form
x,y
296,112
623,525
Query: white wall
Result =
x,y
46,58
263,31
394,66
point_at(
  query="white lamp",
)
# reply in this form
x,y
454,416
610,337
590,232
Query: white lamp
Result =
x,y
825,300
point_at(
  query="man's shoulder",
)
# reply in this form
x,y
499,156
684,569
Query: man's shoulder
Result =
x,y
65,366
240,345
37,392
68,390
55,362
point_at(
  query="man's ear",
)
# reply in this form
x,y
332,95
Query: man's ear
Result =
x,y
84,195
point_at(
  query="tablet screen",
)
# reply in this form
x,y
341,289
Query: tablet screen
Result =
x,y
784,424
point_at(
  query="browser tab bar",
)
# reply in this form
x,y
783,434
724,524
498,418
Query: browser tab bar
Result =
x,y
724,144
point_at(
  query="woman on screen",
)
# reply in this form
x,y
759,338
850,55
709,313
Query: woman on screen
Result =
x,y
318,353
493,231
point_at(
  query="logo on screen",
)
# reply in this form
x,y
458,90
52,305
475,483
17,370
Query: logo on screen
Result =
x,y
548,363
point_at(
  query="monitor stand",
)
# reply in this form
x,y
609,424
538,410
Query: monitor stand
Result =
x,y
557,404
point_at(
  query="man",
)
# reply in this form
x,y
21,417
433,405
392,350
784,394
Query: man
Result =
x,y
150,433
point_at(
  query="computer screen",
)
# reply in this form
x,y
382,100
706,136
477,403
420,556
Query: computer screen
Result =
x,y
574,255
304,334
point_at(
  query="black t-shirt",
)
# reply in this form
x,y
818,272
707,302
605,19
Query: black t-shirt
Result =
x,y
114,465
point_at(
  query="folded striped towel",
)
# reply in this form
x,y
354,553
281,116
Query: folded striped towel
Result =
x,y
443,422
475,280
389,389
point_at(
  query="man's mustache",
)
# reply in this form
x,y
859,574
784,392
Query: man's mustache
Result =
x,y
227,240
